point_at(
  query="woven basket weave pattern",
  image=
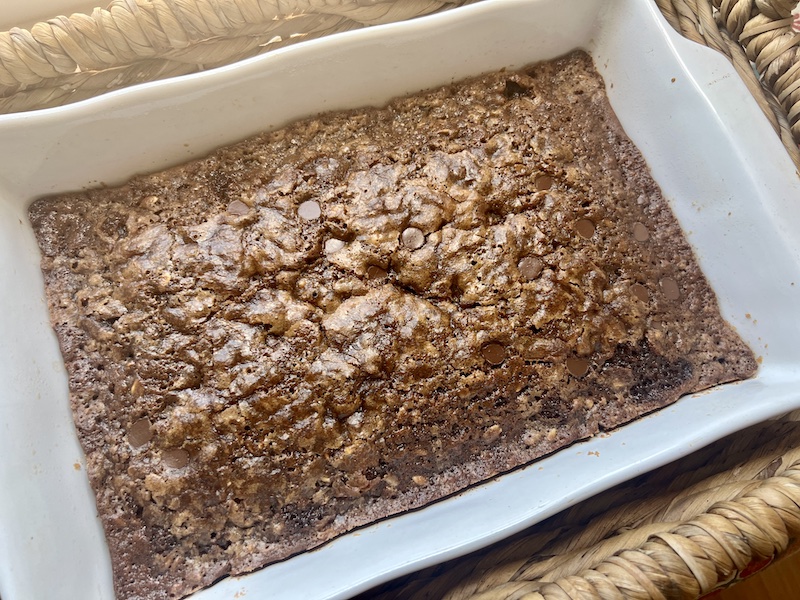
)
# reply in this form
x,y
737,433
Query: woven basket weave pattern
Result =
x,y
132,41
676,533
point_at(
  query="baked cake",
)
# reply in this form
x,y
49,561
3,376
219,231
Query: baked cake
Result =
x,y
363,312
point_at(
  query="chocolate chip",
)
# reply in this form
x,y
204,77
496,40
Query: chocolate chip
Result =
x,y
376,272
309,210
494,353
530,267
239,208
413,238
670,288
140,433
578,367
177,458
638,290
585,228
640,232
544,182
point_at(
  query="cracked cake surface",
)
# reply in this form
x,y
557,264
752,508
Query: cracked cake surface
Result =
x,y
363,312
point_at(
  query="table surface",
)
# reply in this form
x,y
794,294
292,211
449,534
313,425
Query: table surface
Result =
x,y
779,581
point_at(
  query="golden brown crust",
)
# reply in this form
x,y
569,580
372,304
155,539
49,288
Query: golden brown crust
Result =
x,y
364,312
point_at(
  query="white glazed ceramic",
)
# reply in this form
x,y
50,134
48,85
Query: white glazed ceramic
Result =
x,y
729,180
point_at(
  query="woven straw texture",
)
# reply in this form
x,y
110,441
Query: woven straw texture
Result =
x,y
677,533
67,59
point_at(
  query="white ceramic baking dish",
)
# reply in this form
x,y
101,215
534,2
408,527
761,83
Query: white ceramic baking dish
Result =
x,y
730,183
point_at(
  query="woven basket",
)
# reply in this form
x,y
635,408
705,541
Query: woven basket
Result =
x,y
681,531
